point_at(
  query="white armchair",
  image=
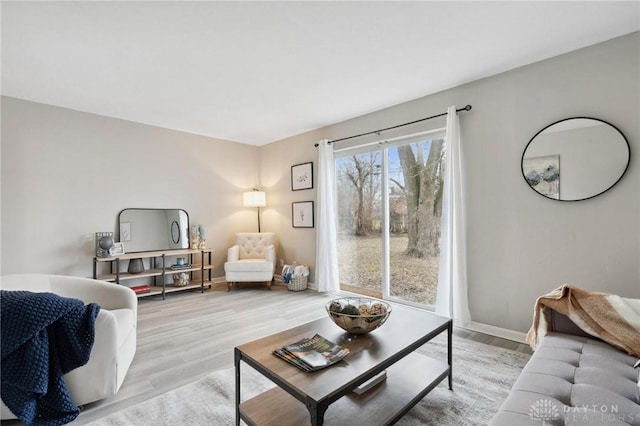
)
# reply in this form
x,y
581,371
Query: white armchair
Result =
x,y
251,259
115,332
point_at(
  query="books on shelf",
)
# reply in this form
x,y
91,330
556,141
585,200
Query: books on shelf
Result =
x,y
177,267
311,354
139,289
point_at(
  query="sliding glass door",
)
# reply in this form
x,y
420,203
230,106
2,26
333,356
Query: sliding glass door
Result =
x,y
360,221
389,201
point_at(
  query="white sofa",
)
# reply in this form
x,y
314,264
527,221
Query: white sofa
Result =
x,y
251,259
115,332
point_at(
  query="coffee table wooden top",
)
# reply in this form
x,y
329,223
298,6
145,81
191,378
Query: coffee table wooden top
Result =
x,y
405,330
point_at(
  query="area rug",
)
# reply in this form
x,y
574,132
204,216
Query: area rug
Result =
x,y
482,378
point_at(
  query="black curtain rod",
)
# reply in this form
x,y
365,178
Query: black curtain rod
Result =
x,y
377,132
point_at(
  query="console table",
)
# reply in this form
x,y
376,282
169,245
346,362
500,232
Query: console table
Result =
x,y
159,269
325,396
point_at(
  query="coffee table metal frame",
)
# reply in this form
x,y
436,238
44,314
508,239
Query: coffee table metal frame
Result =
x,y
391,347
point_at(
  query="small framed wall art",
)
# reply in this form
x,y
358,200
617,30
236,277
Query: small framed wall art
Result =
x,y
302,176
125,231
302,214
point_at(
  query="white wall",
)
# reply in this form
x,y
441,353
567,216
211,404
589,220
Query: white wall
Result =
x,y
67,174
520,244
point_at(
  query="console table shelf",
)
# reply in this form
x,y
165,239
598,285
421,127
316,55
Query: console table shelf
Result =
x,y
159,269
169,288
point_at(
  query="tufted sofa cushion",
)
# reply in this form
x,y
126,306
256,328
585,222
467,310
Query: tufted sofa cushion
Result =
x,y
574,380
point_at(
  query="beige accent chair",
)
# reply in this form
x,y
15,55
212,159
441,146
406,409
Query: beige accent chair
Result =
x,y
115,332
251,259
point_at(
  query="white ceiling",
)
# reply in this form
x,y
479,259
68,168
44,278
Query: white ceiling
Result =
x,y
257,72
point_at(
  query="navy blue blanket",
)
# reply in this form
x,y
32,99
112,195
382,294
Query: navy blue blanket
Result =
x,y
44,336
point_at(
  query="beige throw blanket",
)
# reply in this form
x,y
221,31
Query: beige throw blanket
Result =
x,y
614,319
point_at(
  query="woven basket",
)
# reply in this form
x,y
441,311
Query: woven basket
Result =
x,y
297,284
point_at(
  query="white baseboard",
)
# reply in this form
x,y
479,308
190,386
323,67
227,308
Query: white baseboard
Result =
x,y
504,333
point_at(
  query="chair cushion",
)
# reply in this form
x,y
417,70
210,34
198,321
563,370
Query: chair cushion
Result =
x,y
249,265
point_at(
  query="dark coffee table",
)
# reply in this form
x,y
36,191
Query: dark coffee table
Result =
x,y
324,396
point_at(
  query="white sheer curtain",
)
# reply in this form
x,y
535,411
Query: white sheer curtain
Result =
x,y
326,232
452,300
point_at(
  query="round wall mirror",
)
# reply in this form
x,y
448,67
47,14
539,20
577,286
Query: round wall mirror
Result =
x,y
575,159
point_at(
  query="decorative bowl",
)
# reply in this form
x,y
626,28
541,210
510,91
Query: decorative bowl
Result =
x,y
358,315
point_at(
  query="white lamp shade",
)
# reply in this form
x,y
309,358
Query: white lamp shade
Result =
x,y
254,199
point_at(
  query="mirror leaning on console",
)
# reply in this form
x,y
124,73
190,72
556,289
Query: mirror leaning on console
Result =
x,y
153,229
575,159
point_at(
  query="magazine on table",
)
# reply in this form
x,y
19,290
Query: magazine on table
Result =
x,y
311,354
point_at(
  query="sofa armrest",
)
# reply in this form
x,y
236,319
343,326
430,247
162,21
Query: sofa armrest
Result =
x,y
233,253
562,324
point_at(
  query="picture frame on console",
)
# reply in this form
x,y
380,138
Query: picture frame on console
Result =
x,y
302,176
117,249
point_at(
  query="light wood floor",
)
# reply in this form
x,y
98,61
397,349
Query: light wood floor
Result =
x,y
191,334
